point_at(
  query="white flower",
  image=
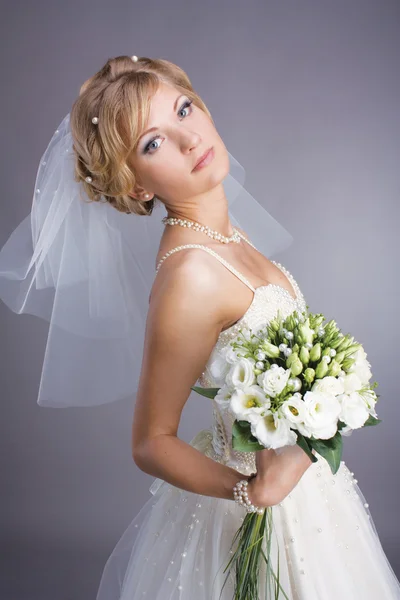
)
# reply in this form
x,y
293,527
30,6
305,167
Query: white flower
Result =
x,y
293,410
328,385
273,431
218,368
248,403
274,380
241,373
346,430
351,383
361,366
321,414
223,397
231,355
370,399
354,411
220,362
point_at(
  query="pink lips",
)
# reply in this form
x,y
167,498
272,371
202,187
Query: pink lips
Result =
x,y
207,158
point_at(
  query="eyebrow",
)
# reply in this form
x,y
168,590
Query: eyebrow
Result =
x,y
155,128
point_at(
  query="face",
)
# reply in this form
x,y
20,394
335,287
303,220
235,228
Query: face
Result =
x,y
165,157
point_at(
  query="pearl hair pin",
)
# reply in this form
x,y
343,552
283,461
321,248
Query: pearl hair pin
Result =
x,y
95,121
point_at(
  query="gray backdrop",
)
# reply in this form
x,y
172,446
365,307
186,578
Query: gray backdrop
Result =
x,y
306,95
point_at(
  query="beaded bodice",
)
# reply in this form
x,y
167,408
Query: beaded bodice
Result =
x,y
267,299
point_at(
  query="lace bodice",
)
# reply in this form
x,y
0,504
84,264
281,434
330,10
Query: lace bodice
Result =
x,y
267,299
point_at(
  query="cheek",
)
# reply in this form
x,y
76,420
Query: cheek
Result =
x,y
167,175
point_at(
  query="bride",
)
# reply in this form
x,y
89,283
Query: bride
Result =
x,y
142,138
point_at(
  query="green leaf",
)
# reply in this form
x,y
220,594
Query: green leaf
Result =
x,y
242,438
330,449
303,443
340,425
207,392
372,421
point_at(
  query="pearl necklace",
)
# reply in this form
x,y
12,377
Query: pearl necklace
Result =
x,y
215,235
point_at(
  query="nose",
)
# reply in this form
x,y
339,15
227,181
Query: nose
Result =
x,y
190,140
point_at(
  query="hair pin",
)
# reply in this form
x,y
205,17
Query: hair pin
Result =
x,y
95,120
134,58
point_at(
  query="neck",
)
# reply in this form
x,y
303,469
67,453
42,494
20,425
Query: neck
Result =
x,y
209,209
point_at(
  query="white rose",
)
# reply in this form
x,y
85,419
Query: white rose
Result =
x,y
321,414
329,385
241,373
274,380
354,410
248,403
273,431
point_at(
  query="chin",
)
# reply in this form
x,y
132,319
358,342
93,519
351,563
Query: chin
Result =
x,y
220,165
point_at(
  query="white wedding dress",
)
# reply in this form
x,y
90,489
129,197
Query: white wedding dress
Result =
x,y
178,545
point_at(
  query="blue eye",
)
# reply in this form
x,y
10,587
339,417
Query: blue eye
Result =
x,y
147,148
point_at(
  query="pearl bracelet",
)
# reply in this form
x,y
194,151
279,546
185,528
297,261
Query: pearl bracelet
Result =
x,y
241,497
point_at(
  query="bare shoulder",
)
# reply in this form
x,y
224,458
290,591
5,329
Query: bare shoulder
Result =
x,y
186,286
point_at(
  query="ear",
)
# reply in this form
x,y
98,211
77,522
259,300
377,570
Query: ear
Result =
x,y
141,194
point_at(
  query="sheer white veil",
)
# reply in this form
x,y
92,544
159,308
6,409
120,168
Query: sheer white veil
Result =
x,y
87,269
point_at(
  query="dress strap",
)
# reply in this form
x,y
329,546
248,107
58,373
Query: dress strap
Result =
x,y
213,253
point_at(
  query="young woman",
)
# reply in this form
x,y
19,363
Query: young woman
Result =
x,y
143,137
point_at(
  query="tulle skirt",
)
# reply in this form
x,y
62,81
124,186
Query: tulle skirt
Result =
x,y
178,545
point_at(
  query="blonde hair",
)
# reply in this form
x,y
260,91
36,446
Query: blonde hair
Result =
x,y
119,95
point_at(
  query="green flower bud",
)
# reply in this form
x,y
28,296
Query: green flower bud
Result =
x,y
270,350
334,368
340,356
309,375
292,357
296,367
315,352
347,363
305,332
352,349
319,319
275,325
304,355
346,342
322,369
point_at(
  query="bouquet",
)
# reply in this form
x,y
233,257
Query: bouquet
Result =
x,y
296,381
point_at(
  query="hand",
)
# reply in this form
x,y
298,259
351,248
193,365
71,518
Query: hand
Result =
x,y
258,487
277,474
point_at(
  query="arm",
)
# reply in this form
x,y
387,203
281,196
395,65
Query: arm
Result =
x,y
184,320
